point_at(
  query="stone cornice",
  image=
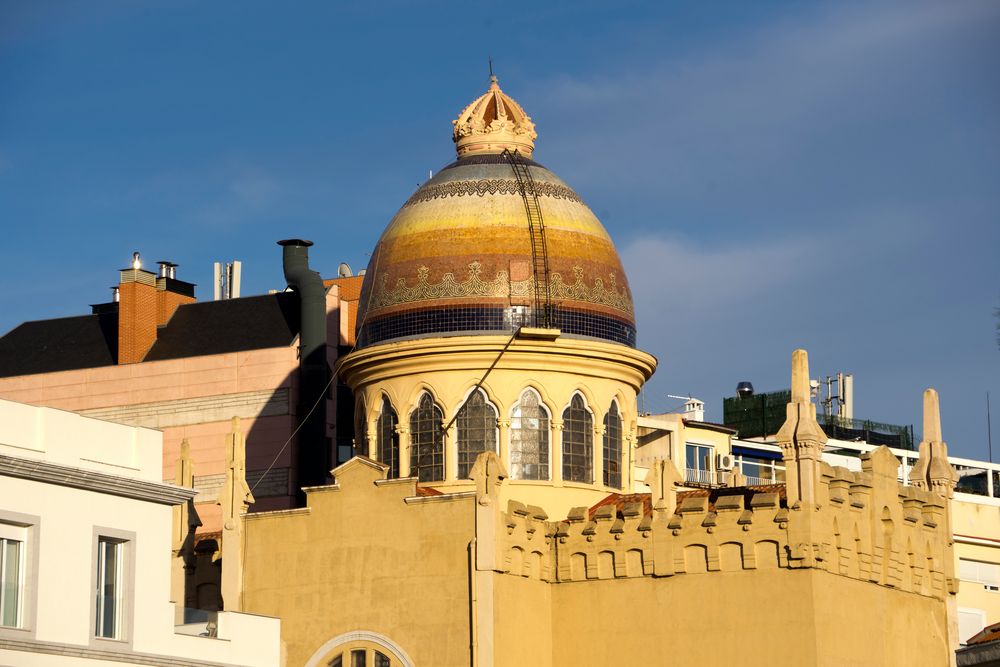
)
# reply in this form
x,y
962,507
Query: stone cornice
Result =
x,y
443,498
92,480
465,353
87,653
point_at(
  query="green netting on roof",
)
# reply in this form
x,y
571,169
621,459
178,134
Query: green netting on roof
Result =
x,y
756,416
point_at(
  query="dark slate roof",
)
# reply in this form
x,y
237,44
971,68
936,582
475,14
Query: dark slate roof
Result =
x,y
196,329
64,344
230,325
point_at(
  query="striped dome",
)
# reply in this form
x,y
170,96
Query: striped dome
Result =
x,y
457,259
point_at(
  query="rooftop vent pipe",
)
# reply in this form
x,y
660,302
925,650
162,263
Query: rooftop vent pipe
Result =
x,y
313,459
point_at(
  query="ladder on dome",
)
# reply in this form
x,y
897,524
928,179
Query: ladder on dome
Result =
x,y
542,315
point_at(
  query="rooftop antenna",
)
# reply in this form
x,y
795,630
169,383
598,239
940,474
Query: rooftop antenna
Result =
x,y
492,77
989,429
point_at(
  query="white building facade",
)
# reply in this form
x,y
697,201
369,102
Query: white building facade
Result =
x,y
85,552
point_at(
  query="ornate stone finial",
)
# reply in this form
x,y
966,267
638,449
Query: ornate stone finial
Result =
x,y
801,439
932,416
492,123
800,377
932,470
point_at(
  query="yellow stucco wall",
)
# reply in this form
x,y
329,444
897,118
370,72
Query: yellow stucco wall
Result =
x,y
450,580
976,523
759,617
365,560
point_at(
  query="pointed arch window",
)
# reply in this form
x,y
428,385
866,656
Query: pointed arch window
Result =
x,y
387,438
477,431
529,438
578,442
360,427
427,440
612,447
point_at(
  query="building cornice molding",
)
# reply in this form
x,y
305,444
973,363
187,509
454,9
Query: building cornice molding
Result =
x,y
443,498
93,480
464,353
85,652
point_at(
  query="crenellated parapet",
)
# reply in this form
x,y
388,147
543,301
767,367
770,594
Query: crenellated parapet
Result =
x,y
863,525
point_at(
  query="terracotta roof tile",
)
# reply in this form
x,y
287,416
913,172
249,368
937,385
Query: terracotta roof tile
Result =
x,y
619,500
988,634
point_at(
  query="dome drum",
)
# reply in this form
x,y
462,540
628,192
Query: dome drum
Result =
x,y
487,319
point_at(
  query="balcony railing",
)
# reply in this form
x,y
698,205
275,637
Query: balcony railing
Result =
x,y
762,481
701,477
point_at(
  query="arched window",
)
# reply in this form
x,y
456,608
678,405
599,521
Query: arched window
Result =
x,y
360,427
613,447
427,441
387,438
529,438
578,442
477,431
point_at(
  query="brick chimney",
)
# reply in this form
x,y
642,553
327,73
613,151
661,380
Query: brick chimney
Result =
x,y
170,292
145,301
137,297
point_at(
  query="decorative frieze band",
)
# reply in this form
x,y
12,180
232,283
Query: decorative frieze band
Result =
x,y
489,186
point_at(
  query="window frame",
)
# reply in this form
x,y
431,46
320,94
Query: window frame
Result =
x,y
697,474
393,448
607,455
126,576
11,534
23,528
361,427
437,442
461,421
516,473
588,444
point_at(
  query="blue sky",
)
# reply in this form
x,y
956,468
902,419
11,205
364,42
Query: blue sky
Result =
x,y
775,175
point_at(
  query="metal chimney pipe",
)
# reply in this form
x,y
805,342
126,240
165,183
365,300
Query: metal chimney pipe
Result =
x,y
313,450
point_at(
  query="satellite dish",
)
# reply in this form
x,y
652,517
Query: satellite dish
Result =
x,y
345,270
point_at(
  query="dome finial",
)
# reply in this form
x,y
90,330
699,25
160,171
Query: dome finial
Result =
x,y
492,123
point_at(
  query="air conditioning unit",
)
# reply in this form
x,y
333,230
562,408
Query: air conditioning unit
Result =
x,y
725,462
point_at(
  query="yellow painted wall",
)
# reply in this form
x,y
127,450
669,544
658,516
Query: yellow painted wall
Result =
x,y
761,617
978,520
365,560
438,576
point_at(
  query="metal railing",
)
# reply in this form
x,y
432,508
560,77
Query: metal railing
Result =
x,y
702,477
762,481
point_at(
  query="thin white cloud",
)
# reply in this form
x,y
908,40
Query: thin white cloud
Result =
x,y
743,108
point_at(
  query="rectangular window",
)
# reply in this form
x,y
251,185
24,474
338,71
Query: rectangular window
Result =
x,y
987,574
699,463
110,587
11,575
